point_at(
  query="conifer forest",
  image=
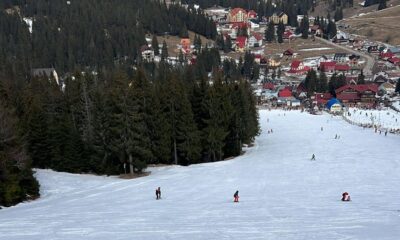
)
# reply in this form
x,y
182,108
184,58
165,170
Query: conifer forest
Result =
x,y
110,112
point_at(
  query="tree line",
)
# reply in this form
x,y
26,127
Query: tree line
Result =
x,y
96,34
101,124
111,112
319,82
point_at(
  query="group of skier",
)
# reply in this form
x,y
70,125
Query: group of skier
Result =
x,y
345,195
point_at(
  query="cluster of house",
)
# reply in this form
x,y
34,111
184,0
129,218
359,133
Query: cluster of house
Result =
x,y
369,94
232,22
366,95
339,63
388,57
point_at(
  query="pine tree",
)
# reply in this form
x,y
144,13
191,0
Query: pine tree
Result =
x,y
216,120
140,147
228,44
338,14
154,45
160,126
197,43
185,136
304,25
37,136
361,78
331,29
220,42
184,32
398,86
322,82
382,4
248,64
310,82
270,32
16,179
164,51
280,31
101,158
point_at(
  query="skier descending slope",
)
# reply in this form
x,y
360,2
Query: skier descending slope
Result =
x,y
236,196
158,193
346,197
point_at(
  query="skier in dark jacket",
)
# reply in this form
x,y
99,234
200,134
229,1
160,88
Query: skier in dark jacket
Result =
x,y
236,196
345,197
158,193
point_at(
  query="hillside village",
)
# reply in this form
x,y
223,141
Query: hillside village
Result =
x,y
364,72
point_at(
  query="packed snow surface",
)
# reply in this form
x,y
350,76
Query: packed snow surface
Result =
x,y
384,119
283,195
29,22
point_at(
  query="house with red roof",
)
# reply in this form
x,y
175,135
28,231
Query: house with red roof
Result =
x,y
342,68
263,61
362,93
238,15
286,92
394,60
241,43
288,52
316,30
251,14
269,86
288,34
237,25
255,40
322,98
297,67
327,67
386,55
185,43
301,91
351,79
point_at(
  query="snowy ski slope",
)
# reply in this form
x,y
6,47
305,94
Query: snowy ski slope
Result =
x,y
283,195
384,119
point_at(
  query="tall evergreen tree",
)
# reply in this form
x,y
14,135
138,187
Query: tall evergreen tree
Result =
x,y
304,26
311,83
280,31
164,51
216,121
184,32
154,45
382,4
398,86
361,78
270,32
322,82
227,44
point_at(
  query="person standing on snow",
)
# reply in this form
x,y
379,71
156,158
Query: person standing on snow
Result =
x,y
346,197
158,193
236,196
313,157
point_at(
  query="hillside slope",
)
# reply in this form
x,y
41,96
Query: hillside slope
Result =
x,y
380,25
